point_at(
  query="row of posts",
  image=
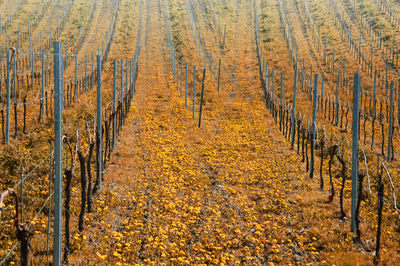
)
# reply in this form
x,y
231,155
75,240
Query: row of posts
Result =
x,y
355,124
58,108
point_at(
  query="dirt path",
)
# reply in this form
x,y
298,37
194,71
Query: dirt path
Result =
x,y
228,192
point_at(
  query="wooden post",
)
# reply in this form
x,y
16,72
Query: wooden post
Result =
x,y
201,97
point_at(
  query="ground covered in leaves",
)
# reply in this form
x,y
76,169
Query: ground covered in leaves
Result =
x,y
229,192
